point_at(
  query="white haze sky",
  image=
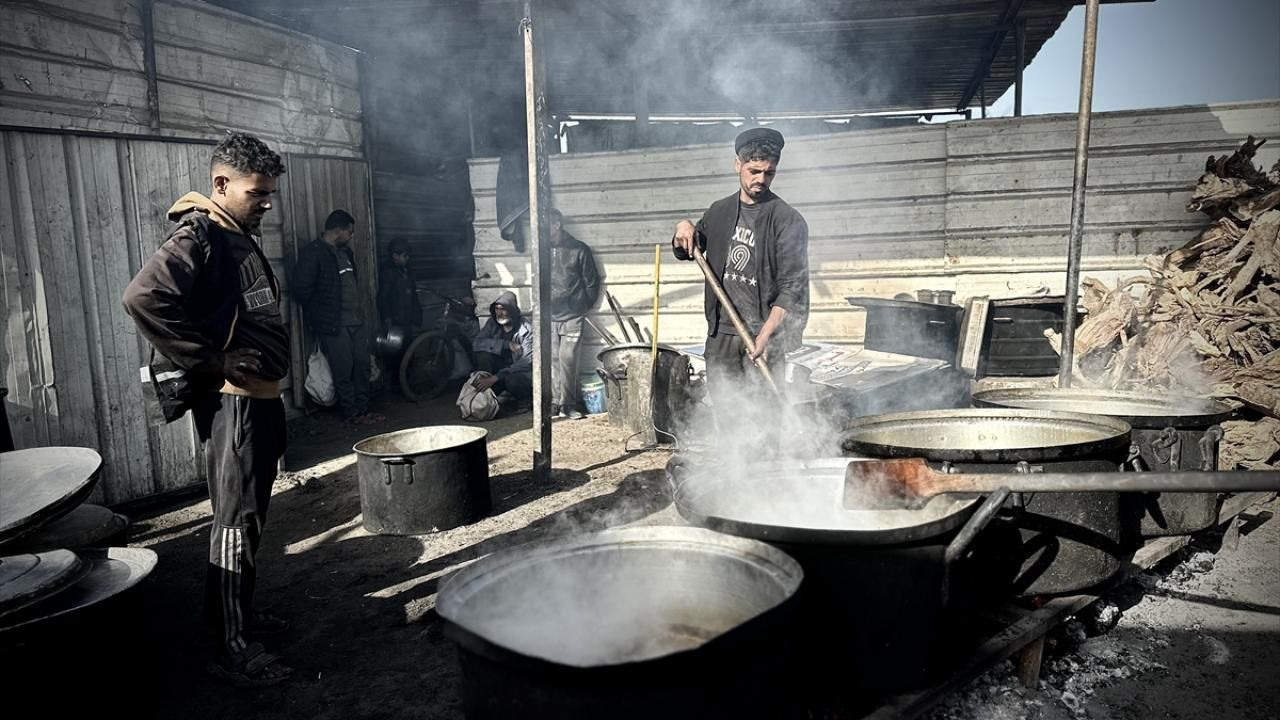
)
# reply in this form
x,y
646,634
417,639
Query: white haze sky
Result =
x,y
1158,54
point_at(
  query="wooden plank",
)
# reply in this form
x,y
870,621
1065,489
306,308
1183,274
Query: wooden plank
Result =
x,y
78,263
191,24
105,45
295,91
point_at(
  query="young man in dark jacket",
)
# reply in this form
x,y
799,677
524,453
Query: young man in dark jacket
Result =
x,y
208,301
758,247
575,289
327,286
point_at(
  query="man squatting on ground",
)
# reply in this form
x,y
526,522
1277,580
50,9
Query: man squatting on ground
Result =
x,y
208,301
575,290
758,247
504,348
327,286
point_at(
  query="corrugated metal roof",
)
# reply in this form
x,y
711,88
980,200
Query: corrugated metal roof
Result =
x,y
747,57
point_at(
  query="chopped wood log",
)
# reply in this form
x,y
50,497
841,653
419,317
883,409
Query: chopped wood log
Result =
x,y
1250,445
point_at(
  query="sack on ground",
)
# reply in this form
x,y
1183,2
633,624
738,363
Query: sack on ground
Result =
x,y
319,382
477,405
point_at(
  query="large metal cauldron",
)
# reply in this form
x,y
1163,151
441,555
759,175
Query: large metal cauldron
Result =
x,y
424,479
1170,433
671,387
650,622
1069,541
878,584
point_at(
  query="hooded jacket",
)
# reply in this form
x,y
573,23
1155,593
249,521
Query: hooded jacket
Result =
x,y
783,271
317,287
493,337
209,289
575,281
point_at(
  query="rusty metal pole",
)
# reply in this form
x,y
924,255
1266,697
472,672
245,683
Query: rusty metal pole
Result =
x,y
149,62
535,102
1077,192
1020,44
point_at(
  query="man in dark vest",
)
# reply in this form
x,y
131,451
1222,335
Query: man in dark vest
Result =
x,y
327,286
208,302
758,247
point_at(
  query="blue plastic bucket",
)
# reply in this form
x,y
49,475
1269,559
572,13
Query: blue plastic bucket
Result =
x,y
592,391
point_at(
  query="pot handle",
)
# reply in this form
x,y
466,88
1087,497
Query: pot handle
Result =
x,y
405,462
1209,448
960,544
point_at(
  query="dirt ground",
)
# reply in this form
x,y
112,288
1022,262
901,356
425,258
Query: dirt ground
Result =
x,y
1200,639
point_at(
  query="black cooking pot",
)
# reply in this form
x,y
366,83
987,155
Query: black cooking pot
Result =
x,y
1068,541
878,584
1169,434
425,479
911,328
648,622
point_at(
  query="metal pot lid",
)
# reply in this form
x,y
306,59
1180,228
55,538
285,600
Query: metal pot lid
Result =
x,y
31,577
111,572
802,502
985,435
85,526
40,484
1140,410
417,441
601,600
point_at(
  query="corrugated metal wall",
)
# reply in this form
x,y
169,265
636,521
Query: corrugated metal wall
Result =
x,y
80,214
79,64
978,207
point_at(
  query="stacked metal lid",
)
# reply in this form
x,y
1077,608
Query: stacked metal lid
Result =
x,y
53,554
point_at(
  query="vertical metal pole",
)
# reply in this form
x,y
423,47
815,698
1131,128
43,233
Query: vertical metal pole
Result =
x,y
641,90
149,62
1077,192
1020,40
535,103
982,97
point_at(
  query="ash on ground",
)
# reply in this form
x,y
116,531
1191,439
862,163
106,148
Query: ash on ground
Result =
x,y
1192,638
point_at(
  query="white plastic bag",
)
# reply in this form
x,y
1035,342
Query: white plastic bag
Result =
x,y
319,382
477,405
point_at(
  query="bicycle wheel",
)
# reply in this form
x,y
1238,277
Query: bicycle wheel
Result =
x,y
425,368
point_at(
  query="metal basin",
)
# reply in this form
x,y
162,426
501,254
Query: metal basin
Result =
x,y
1169,433
640,622
1065,542
984,435
878,584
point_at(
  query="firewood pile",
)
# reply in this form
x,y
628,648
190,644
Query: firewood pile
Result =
x,y
1206,321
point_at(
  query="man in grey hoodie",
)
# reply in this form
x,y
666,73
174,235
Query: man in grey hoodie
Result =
x,y
504,348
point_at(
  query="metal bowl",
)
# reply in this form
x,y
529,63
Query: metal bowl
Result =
x,y
1141,410
390,341
619,596
982,435
802,502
